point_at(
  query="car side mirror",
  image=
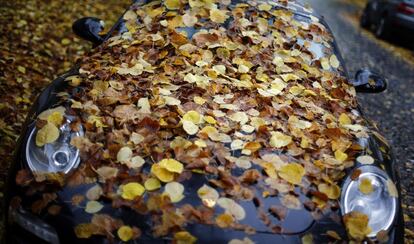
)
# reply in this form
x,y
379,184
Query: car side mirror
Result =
x,y
88,28
367,81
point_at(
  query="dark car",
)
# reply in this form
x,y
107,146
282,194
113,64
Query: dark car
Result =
x,y
205,121
388,16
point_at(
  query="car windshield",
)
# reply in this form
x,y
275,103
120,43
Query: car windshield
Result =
x,y
316,45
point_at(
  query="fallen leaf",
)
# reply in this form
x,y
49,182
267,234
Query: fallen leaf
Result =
x,y
132,190
93,207
365,186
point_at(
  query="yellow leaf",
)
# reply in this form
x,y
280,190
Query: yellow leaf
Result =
x,y
152,184
208,195
307,239
325,64
332,191
84,230
289,77
292,173
365,186
224,220
270,169
344,119
55,118
296,90
125,233
333,60
218,16
132,190
96,120
47,134
210,120
172,4
171,165
199,100
93,207
175,191
264,7
161,173
192,116
54,115
21,69
356,224
340,156
184,237
200,143
279,139
65,41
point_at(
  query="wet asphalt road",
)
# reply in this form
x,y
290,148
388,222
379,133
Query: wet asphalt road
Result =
x,y
393,110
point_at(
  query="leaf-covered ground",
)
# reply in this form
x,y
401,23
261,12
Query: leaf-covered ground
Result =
x,y
36,45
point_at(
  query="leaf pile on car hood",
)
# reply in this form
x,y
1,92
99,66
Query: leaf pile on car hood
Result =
x,y
231,94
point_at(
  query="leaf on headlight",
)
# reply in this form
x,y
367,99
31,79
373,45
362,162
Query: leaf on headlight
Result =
x,y
365,186
54,115
392,189
47,134
356,224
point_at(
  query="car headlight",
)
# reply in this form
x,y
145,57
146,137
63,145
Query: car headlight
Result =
x,y
59,156
379,205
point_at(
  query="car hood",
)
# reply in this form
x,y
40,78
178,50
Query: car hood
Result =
x,y
200,114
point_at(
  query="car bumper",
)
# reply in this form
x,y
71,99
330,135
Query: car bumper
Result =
x,y
23,227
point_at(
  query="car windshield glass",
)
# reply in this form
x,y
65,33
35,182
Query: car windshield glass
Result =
x,y
316,46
